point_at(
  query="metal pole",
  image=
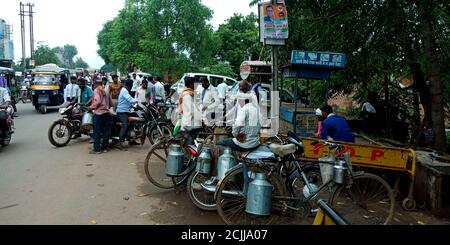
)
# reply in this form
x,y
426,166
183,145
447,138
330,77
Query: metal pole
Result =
x,y
296,103
275,68
31,30
22,26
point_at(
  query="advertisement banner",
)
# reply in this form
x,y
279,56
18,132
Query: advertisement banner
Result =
x,y
274,20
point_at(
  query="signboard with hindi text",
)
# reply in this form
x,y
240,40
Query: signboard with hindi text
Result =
x,y
323,60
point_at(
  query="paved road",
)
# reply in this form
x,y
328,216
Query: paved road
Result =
x,y
40,184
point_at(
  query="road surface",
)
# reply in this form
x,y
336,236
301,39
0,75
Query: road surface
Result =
x,y
43,185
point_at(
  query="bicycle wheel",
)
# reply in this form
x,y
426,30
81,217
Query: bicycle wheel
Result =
x,y
154,133
202,198
231,200
155,165
369,200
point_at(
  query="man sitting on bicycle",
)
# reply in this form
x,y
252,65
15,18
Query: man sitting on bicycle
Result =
x,y
247,126
245,131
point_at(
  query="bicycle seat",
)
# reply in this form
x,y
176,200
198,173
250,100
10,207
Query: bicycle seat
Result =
x,y
134,119
261,153
283,150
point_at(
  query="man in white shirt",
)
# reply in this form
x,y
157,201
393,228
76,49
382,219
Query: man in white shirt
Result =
x,y
72,91
141,93
222,90
209,101
191,119
160,92
136,84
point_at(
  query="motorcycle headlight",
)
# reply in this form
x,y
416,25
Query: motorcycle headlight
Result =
x,y
55,92
62,110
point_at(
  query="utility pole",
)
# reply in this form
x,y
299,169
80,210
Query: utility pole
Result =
x,y
23,13
31,30
22,28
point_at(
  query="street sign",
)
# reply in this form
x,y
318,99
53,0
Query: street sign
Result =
x,y
246,69
18,74
323,60
32,63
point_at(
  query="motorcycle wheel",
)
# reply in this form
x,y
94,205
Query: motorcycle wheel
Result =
x,y
57,131
154,134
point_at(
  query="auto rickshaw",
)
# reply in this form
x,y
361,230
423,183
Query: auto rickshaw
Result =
x,y
8,81
46,89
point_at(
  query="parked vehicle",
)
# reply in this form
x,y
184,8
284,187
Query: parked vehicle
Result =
x,y
77,121
213,79
62,130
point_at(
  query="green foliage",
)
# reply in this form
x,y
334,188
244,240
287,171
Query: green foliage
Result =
x,y
239,38
223,69
107,68
162,36
80,63
45,55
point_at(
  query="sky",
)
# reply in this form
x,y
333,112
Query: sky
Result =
x,y
77,22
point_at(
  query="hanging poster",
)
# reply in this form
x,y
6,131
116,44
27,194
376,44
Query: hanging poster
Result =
x,y
274,20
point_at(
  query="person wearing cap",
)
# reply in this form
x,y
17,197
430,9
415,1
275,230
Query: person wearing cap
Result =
x,y
247,125
335,128
319,123
245,130
101,104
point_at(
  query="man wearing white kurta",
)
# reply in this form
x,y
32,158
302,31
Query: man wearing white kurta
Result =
x,y
209,101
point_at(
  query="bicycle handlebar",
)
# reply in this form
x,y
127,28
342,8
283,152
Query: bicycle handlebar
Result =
x,y
329,144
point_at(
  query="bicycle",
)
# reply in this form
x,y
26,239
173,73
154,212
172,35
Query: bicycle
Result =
x,y
352,193
157,157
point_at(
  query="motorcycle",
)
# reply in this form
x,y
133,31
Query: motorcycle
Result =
x,y
6,127
76,121
144,123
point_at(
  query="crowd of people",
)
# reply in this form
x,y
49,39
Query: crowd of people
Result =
x,y
107,95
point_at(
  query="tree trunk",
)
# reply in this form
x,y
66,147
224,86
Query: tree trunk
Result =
x,y
425,8
422,89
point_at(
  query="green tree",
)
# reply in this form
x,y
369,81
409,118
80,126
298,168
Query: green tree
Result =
x,y
385,41
107,68
221,68
239,39
45,55
80,63
69,53
165,36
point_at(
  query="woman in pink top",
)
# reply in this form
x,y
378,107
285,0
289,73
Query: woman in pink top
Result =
x,y
102,118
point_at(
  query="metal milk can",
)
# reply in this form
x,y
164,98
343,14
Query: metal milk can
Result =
x,y
204,161
174,162
259,196
225,163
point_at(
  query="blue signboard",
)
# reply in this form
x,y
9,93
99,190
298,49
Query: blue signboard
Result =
x,y
321,60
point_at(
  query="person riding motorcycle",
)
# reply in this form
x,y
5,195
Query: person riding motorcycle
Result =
x,y
125,102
